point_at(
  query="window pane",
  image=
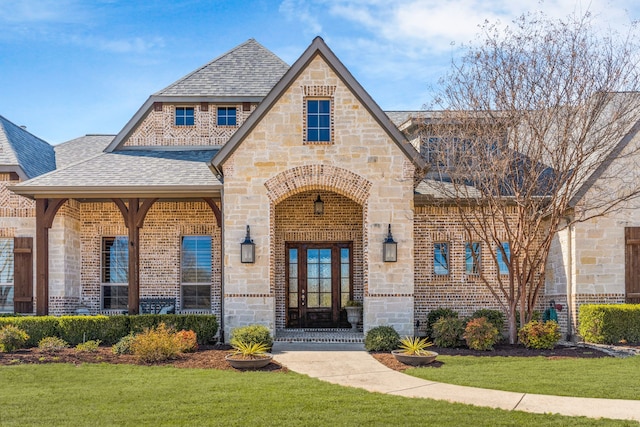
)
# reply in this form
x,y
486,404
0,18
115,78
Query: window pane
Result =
x,y
313,135
293,299
344,255
441,258
312,122
6,260
115,259
323,121
472,263
312,106
196,259
325,106
115,297
324,135
6,299
196,296
503,266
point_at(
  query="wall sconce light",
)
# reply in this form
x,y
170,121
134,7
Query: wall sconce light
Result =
x,y
318,206
389,248
248,249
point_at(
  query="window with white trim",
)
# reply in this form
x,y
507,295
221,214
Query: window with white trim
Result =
x,y
115,273
195,272
6,275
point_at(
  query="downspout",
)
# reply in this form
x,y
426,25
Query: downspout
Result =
x,y
570,232
222,266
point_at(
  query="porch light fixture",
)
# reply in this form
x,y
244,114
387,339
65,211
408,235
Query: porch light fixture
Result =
x,y
389,248
248,249
318,206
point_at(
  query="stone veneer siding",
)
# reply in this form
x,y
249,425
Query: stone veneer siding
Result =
x,y
160,242
159,129
360,152
295,221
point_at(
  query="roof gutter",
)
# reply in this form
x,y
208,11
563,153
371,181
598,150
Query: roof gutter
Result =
x,y
41,192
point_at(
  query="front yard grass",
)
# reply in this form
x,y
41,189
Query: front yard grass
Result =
x,y
609,378
64,394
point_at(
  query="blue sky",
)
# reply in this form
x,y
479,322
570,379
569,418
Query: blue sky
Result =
x,y
71,67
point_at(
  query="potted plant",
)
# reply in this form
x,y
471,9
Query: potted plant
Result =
x,y
413,351
249,355
354,313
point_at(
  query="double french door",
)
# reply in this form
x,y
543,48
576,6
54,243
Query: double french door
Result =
x,y
319,283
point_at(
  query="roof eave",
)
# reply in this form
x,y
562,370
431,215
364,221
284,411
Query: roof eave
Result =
x,y
101,192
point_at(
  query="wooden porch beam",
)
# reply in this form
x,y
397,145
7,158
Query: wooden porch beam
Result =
x,y
215,209
134,214
46,210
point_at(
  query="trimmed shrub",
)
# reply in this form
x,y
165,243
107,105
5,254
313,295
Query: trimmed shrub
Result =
x,y
481,334
37,327
88,347
609,323
79,329
124,345
539,335
447,332
496,317
187,341
12,338
435,315
156,344
52,344
252,334
382,338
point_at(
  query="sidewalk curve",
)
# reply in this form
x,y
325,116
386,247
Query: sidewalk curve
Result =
x,y
350,365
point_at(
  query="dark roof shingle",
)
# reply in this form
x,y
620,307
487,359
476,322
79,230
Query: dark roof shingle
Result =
x,y
20,148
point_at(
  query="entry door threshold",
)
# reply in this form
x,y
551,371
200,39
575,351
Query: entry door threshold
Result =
x,y
319,335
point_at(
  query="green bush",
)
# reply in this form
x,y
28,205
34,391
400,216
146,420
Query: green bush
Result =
x,y
90,346
52,344
12,338
481,334
382,338
609,323
156,344
496,317
447,332
79,329
539,335
37,327
123,346
435,315
252,334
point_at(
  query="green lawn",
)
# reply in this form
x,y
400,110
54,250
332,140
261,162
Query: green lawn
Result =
x,y
61,394
609,378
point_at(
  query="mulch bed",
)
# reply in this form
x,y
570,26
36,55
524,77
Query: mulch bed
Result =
x,y
207,357
501,350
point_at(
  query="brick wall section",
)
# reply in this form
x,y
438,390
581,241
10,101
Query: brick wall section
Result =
x,y
296,222
276,145
159,129
459,291
160,241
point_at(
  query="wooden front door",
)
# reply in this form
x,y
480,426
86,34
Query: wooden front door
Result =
x,y
632,265
318,284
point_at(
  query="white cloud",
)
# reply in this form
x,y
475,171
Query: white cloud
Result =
x,y
300,11
41,11
131,45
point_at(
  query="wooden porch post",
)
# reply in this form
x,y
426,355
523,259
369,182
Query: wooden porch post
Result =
x,y
134,215
46,210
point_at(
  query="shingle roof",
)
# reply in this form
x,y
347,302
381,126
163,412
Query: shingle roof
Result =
x,y
400,117
246,70
139,173
79,149
22,149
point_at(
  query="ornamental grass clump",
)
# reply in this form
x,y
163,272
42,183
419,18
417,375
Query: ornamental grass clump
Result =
x,y
12,338
156,344
481,334
52,344
415,346
249,350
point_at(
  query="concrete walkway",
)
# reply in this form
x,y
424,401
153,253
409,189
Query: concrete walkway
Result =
x,y
350,365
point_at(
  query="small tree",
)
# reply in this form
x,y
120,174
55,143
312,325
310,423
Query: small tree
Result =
x,y
532,118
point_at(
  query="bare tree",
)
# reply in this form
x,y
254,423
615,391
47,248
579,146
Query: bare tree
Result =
x,y
528,119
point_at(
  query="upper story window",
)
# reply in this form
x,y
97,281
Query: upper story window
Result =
x,y
184,116
318,120
472,257
227,116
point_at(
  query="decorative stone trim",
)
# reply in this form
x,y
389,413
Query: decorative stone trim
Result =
x,y
317,177
249,295
388,295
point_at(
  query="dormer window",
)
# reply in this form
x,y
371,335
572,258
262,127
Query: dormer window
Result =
x,y
226,116
184,116
318,120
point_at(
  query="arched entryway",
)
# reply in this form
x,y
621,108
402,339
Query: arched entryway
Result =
x,y
318,259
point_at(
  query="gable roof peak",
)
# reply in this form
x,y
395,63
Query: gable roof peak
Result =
x,y
22,152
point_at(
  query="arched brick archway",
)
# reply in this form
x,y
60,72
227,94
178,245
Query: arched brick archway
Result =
x,y
290,190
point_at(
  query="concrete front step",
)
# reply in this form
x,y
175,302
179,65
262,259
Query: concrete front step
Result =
x,y
311,335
